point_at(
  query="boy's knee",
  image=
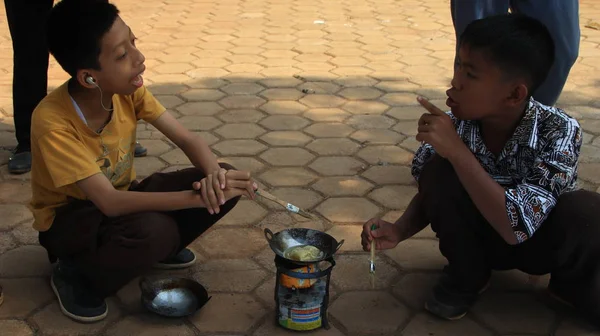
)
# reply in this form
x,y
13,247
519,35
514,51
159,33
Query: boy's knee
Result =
x,y
159,234
439,175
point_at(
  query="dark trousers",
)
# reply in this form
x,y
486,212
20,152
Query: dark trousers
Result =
x,y
110,252
566,245
26,22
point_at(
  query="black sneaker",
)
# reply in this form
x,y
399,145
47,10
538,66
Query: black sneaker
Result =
x,y
20,161
450,303
75,300
140,150
185,258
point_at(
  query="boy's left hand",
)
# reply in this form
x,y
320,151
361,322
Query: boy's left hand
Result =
x,y
211,188
437,129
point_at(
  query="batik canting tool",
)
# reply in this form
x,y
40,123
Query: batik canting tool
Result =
x,y
288,206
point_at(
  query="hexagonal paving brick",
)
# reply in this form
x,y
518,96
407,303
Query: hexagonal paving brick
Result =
x,y
371,121
243,163
425,324
200,109
230,243
337,166
319,87
137,325
242,89
288,177
393,196
400,99
511,313
389,175
418,254
385,154
286,138
241,116
280,82
13,214
25,261
52,321
242,102
377,137
15,192
329,130
173,68
284,123
515,280
415,288
146,166
351,236
215,316
322,100
302,198
283,107
287,156
22,296
334,146
326,114
155,147
282,94
406,112
408,128
246,212
360,93
7,242
269,328
348,210
25,234
369,312
194,123
176,157
229,275
365,107
239,147
589,172
240,131
203,95
342,186
15,328
397,86
348,277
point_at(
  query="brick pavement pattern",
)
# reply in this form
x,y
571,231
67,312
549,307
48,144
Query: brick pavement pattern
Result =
x,y
317,99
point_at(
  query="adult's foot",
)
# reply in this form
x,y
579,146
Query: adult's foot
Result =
x,y
185,258
20,161
140,150
75,299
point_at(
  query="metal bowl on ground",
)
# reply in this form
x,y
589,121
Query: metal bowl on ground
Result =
x,y
287,239
173,296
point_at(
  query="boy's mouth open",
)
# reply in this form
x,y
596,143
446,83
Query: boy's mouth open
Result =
x,y
138,81
451,102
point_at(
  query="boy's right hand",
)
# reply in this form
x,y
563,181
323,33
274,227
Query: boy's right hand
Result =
x,y
237,183
386,235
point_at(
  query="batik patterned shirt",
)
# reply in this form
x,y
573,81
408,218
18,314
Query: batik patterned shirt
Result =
x,y
538,163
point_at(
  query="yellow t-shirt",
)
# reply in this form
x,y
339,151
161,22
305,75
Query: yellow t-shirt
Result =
x,y
65,150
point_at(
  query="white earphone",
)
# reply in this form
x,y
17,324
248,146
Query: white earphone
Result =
x,y
90,80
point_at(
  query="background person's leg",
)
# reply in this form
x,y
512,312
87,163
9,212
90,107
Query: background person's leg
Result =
x,y
26,22
561,17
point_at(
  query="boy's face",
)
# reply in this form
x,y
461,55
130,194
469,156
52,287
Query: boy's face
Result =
x,y
479,89
121,62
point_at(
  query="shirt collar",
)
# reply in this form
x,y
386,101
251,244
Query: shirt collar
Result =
x,y
526,132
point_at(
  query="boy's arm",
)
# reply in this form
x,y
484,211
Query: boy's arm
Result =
x,y
194,147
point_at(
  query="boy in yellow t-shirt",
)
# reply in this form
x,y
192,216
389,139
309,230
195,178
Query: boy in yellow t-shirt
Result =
x,y
103,226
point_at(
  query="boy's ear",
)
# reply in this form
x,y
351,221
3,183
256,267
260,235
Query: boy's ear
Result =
x,y
83,78
518,95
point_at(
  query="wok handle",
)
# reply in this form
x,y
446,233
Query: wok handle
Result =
x,y
339,245
268,234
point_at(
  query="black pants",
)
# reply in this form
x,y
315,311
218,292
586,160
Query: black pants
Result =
x,y
26,22
566,245
110,252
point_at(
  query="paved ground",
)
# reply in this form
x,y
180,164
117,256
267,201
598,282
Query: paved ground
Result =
x,y
317,99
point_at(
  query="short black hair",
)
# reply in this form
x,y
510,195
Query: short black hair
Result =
x,y
519,45
74,31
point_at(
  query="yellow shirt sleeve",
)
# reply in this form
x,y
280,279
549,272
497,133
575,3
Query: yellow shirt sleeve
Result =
x,y
146,106
66,157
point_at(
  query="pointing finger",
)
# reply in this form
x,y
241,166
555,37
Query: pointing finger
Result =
x,y
430,107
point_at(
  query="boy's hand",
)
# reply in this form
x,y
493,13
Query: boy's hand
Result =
x,y
238,179
437,129
386,235
211,188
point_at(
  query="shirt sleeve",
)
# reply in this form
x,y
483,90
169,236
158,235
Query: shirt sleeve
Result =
x,y
146,106
66,157
529,203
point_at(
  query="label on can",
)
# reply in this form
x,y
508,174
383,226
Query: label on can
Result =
x,y
300,318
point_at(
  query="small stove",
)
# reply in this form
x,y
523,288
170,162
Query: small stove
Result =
x,y
302,294
302,287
